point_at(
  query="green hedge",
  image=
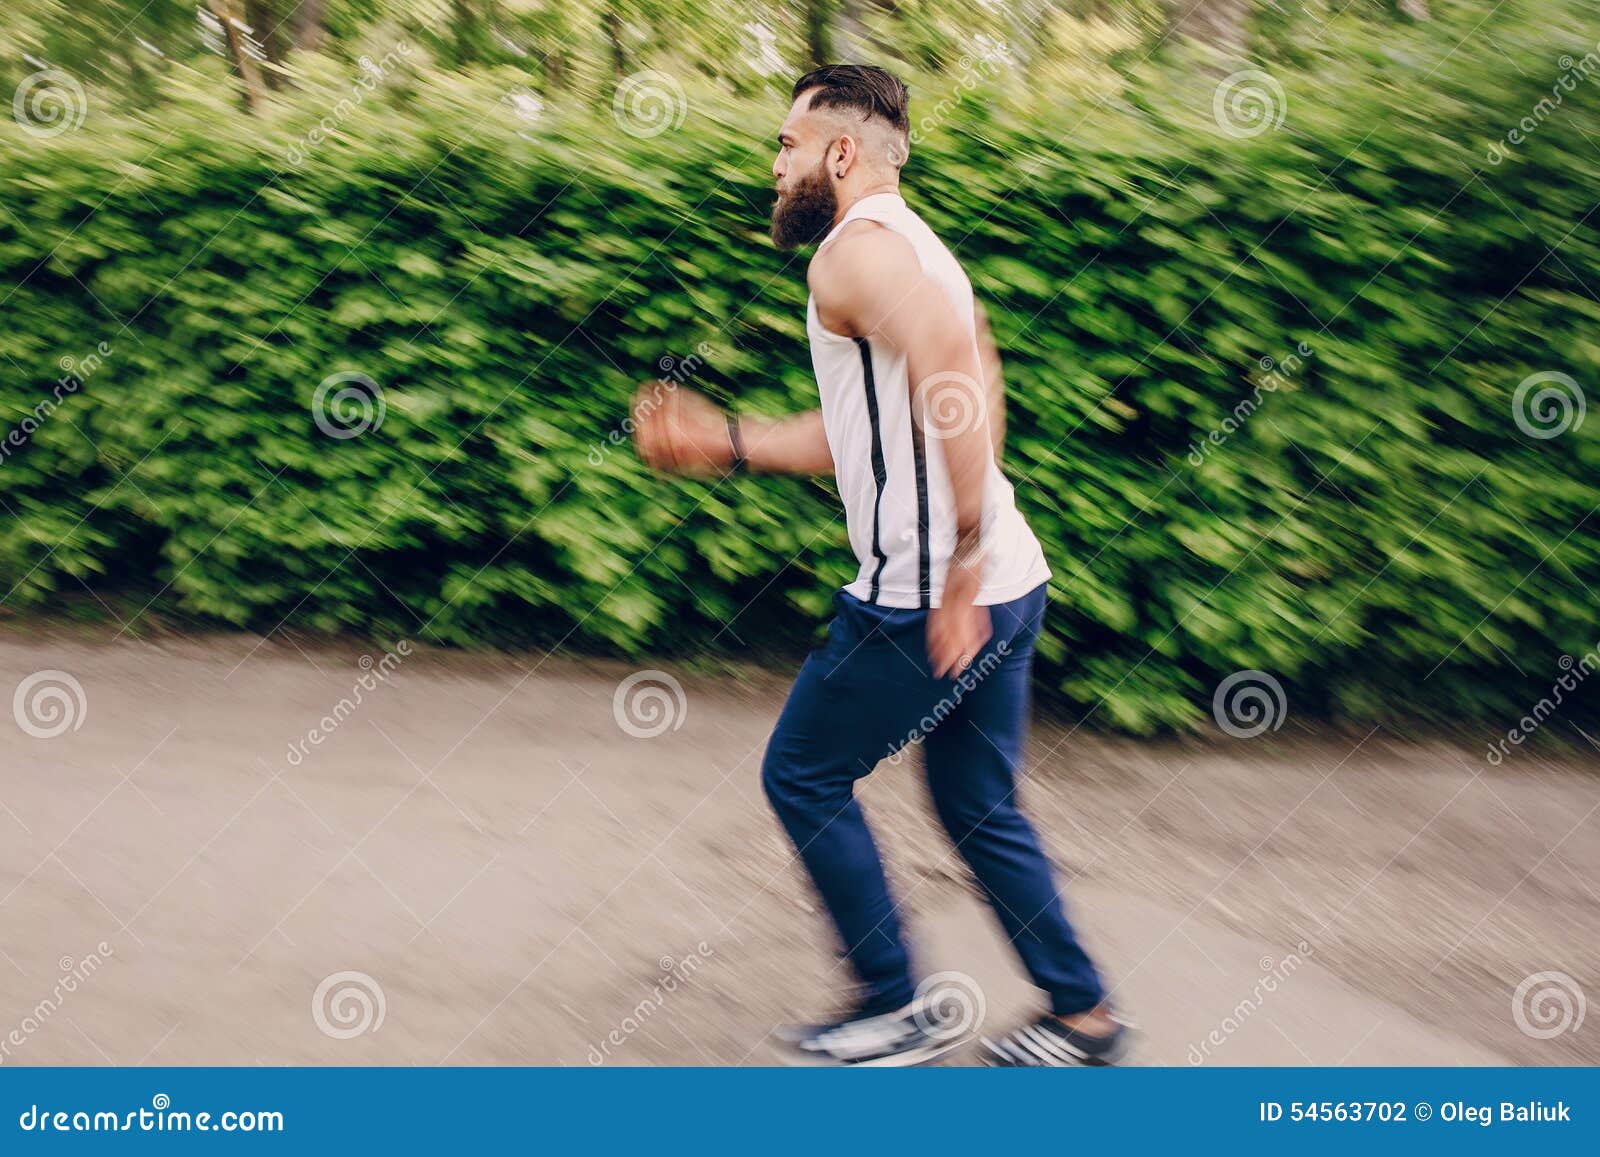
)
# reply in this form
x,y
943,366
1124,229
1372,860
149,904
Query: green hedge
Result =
x,y
1379,534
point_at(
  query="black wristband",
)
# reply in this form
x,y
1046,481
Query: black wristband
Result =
x,y
736,441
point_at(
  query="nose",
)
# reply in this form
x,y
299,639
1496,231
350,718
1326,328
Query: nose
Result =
x,y
777,167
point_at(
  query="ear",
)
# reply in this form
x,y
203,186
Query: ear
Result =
x,y
843,155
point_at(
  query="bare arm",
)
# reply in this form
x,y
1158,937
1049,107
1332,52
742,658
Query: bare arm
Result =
x,y
681,430
993,380
796,445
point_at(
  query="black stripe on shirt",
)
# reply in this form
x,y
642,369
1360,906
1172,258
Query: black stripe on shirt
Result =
x,y
880,472
920,460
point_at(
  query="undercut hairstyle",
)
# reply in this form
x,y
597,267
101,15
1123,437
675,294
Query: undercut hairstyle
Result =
x,y
863,88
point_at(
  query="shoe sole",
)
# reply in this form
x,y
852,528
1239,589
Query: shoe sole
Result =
x,y
994,1057
911,1058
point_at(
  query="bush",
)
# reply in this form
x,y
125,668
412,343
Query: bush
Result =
x,y
1348,303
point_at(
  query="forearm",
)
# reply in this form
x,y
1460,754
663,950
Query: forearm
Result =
x,y
947,376
993,382
792,445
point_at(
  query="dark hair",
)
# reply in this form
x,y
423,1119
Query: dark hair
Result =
x,y
863,88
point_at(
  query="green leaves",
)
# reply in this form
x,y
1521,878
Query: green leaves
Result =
x,y
1260,391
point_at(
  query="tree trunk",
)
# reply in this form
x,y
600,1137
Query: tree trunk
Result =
x,y
471,33
243,63
818,17
1220,23
611,23
307,25
271,33
850,40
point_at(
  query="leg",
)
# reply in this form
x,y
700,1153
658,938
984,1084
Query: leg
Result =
x,y
972,759
853,703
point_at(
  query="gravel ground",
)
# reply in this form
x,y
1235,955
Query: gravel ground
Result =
x,y
476,851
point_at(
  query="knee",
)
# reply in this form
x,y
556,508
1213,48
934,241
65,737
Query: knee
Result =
x,y
962,815
960,819
794,785
782,779
776,779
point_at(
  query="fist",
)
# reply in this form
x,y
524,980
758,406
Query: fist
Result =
x,y
680,430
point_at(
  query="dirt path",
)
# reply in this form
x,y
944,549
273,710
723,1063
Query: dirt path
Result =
x,y
482,843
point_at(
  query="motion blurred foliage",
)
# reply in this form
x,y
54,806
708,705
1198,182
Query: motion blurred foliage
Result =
x,y
1374,528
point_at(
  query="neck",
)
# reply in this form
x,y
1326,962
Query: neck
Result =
x,y
846,204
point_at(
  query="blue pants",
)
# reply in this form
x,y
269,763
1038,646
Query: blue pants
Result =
x,y
861,697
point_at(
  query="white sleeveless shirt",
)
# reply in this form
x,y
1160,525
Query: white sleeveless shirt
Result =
x,y
899,507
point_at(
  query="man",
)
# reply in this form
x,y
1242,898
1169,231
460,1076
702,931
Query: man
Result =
x,y
934,639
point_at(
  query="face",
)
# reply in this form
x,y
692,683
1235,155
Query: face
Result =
x,y
807,201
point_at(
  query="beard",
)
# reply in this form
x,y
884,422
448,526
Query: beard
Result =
x,y
804,215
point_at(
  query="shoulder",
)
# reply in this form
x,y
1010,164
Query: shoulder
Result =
x,y
860,263
862,245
